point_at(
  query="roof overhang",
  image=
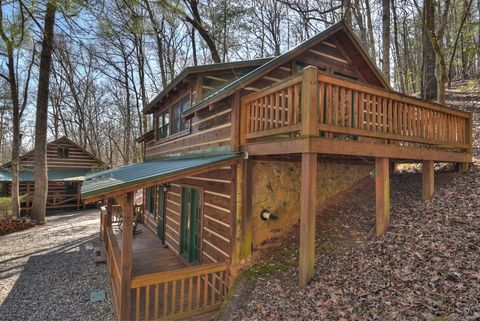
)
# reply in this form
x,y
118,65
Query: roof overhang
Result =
x,y
198,69
130,178
283,58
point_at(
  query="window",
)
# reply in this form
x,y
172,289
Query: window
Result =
x,y
62,152
162,125
71,188
178,123
150,200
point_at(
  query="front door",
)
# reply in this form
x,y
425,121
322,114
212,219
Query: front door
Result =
x,y
191,224
161,214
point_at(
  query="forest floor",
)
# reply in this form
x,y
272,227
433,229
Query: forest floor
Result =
x,y
47,272
426,267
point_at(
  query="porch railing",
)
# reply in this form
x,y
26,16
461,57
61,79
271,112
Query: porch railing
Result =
x,y
180,293
319,104
113,259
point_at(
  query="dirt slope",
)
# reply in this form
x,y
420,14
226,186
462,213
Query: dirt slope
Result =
x,y
427,266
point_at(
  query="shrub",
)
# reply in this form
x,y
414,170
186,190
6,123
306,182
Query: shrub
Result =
x,y
6,205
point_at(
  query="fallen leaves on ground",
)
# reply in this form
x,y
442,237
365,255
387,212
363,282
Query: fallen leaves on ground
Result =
x,y
11,225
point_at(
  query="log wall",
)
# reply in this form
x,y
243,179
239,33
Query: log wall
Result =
x,y
217,224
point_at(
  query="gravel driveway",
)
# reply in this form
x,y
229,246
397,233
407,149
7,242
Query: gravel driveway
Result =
x,y
47,272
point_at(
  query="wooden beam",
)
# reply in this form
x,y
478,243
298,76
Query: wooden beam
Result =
x,y
237,124
109,212
310,101
126,259
245,245
354,148
428,185
198,89
308,204
382,194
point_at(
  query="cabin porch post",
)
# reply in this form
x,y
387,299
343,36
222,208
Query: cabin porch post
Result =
x,y
463,167
308,204
382,194
108,218
245,177
126,259
428,185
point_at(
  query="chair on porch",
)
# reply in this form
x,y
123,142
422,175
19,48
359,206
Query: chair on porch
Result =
x,y
137,214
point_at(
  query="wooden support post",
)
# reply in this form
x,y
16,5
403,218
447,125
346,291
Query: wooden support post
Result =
x,y
245,246
238,125
108,219
382,194
126,260
463,167
394,168
308,204
310,101
198,89
428,183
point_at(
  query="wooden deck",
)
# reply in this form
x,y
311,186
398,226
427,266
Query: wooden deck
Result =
x,y
149,254
163,285
321,113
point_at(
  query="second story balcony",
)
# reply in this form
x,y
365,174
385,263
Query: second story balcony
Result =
x,y
323,107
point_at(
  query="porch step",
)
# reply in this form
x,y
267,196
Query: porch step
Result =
x,y
99,255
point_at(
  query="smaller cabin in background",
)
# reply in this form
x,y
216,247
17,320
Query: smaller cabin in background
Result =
x,y
67,163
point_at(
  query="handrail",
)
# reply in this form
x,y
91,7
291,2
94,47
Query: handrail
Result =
x,y
179,293
314,103
177,274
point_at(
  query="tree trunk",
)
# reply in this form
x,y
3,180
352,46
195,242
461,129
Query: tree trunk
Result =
x,y
429,79
455,45
400,66
386,40
196,22
370,30
40,155
16,133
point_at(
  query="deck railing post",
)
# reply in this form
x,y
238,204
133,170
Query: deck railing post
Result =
x,y
309,113
463,167
126,260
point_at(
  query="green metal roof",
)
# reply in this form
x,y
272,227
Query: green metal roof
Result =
x,y
54,174
125,176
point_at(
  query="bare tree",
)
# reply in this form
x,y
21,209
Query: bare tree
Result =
x,y
40,154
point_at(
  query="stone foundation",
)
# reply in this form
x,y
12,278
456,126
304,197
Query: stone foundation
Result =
x,y
276,188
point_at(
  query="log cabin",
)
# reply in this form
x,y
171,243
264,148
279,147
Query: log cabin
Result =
x,y
67,165
240,151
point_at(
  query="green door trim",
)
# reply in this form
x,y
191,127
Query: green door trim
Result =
x,y
161,214
190,237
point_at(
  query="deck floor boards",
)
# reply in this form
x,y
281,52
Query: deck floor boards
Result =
x,y
149,254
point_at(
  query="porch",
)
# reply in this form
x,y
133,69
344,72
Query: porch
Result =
x,y
149,281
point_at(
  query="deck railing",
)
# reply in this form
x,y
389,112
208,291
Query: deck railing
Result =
x,y
179,293
113,259
319,104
